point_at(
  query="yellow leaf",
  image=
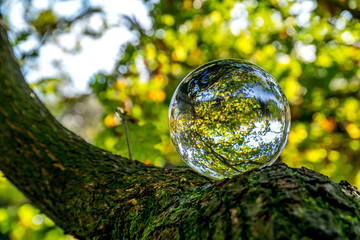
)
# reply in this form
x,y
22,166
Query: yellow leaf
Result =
x,y
110,121
157,95
353,130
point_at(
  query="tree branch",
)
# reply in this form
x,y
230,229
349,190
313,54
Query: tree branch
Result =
x,y
333,5
73,182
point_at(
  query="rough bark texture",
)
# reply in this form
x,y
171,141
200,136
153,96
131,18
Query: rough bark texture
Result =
x,y
93,194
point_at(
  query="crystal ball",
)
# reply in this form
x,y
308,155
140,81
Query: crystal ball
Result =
x,y
227,117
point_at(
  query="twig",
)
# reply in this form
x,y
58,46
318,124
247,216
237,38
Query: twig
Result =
x,y
128,142
123,117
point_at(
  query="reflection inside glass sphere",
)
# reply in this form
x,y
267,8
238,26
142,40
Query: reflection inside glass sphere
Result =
x,y
228,116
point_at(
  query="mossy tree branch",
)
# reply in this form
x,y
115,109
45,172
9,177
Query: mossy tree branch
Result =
x,y
92,193
79,186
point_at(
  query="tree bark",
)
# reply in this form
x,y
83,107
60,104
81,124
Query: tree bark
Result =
x,y
94,194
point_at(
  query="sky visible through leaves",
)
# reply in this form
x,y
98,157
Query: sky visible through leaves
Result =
x,y
97,55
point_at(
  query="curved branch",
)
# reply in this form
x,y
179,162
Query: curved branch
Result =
x,y
334,5
73,182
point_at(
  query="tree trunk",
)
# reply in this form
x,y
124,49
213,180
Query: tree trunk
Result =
x,y
92,193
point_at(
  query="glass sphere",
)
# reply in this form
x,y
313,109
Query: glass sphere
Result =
x,y
227,117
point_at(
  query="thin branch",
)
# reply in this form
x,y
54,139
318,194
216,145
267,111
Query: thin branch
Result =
x,y
341,5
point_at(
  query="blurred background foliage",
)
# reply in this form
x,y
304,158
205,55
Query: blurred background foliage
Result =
x,y
311,47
